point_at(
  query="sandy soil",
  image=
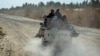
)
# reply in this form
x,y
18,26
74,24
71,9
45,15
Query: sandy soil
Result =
x,y
18,30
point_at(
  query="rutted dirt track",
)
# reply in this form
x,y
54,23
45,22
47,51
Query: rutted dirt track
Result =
x,y
19,29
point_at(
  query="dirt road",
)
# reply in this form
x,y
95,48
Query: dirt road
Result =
x,y
20,29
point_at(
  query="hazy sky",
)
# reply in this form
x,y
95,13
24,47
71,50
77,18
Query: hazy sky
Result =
x,y
9,3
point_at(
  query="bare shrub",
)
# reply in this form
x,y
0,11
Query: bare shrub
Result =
x,y
84,17
27,12
1,33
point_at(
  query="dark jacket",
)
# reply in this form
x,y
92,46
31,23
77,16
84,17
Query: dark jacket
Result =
x,y
50,15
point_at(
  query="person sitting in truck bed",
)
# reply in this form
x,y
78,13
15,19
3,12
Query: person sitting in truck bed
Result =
x,y
48,17
51,14
58,14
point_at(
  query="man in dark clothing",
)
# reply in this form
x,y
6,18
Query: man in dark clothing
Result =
x,y
49,16
58,14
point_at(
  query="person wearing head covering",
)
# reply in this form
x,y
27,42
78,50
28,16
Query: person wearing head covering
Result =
x,y
58,14
49,17
51,14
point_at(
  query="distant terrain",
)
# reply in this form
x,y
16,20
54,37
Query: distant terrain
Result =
x,y
85,14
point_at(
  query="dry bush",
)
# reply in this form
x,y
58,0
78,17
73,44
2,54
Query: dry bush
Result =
x,y
27,12
37,13
84,17
97,18
1,33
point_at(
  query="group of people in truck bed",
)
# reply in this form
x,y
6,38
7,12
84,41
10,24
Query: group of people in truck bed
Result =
x,y
52,22
47,21
53,14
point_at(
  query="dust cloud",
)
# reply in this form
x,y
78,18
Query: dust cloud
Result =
x,y
60,47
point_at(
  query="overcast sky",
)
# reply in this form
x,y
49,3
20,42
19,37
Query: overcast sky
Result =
x,y
9,3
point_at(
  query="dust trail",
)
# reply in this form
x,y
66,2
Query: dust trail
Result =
x,y
36,48
60,46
